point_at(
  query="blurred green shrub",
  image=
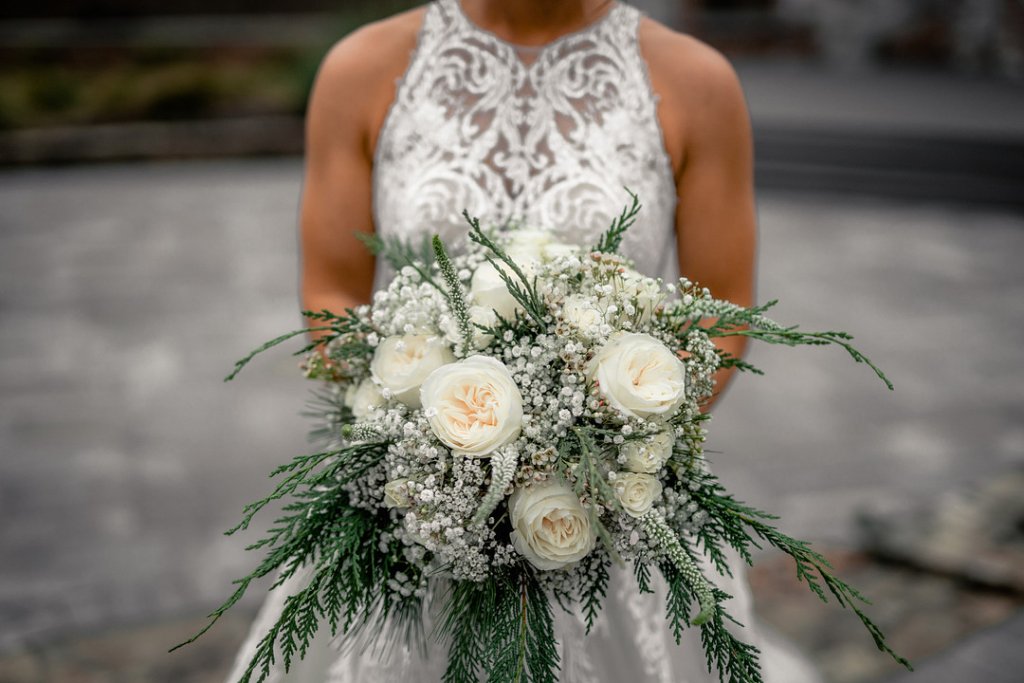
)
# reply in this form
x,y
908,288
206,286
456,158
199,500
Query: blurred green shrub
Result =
x,y
53,85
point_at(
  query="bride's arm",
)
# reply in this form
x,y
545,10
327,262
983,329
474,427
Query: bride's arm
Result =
x,y
354,85
716,220
708,122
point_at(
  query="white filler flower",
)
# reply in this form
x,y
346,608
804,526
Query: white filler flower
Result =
x,y
473,406
637,492
639,375
550,527
400,364
648,455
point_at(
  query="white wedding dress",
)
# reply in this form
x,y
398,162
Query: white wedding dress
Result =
x,y
549,136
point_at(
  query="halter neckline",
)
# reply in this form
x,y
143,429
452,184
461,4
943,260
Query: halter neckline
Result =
x,y
594,25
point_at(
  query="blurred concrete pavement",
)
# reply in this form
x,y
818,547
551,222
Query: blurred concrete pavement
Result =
x,y
127,291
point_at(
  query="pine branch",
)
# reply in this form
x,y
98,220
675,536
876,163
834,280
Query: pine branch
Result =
x,y
400,254
611,239
592,483
464,624
731,519
735,660
594,585
642,572
239,364
732,320
301,472
503,626
522,289
297,538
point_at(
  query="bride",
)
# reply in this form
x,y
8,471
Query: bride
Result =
x,y
541,111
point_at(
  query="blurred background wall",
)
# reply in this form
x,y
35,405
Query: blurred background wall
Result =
x,y
150,168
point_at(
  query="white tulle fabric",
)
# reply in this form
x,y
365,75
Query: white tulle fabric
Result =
x,y
547,138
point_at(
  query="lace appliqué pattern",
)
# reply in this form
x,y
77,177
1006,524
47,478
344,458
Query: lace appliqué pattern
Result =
x,y
548,142
547,137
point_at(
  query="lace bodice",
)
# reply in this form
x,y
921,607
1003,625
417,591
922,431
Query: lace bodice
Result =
x,y
546,137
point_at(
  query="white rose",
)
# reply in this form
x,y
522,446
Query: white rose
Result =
x,y
401,364
636,492
558,249
644,291
528,243
396,494
583,313
649,454
478,315
361,399
487,289
639,376
550,527
473,406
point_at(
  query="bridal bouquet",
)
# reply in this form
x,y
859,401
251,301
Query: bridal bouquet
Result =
x,y
505,425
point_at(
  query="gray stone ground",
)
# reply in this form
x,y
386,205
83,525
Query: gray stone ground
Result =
x,y
126,292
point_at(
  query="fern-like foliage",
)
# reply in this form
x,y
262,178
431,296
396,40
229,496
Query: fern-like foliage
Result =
x,y
611,239
333,323
400,254
733,522
502,628
732,320
338,544
594,586
522,288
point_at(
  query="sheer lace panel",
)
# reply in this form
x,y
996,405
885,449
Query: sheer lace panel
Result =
x,y
546,136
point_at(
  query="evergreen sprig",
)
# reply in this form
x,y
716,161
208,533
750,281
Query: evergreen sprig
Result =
x,y
611,239
730,520
591,483
732,320
594,586
502,627
734,660
522,288
315,524
336,324
400,254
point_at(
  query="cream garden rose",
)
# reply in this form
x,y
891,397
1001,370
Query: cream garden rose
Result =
x,y
637,492
583,314
401,363
473,406
649,454
549,526
527,244
639,376
488,290
555,250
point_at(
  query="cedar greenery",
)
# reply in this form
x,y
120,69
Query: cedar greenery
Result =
x,y
501,629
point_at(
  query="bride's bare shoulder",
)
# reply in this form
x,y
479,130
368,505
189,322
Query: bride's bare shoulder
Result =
x,y
698,88
357,76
